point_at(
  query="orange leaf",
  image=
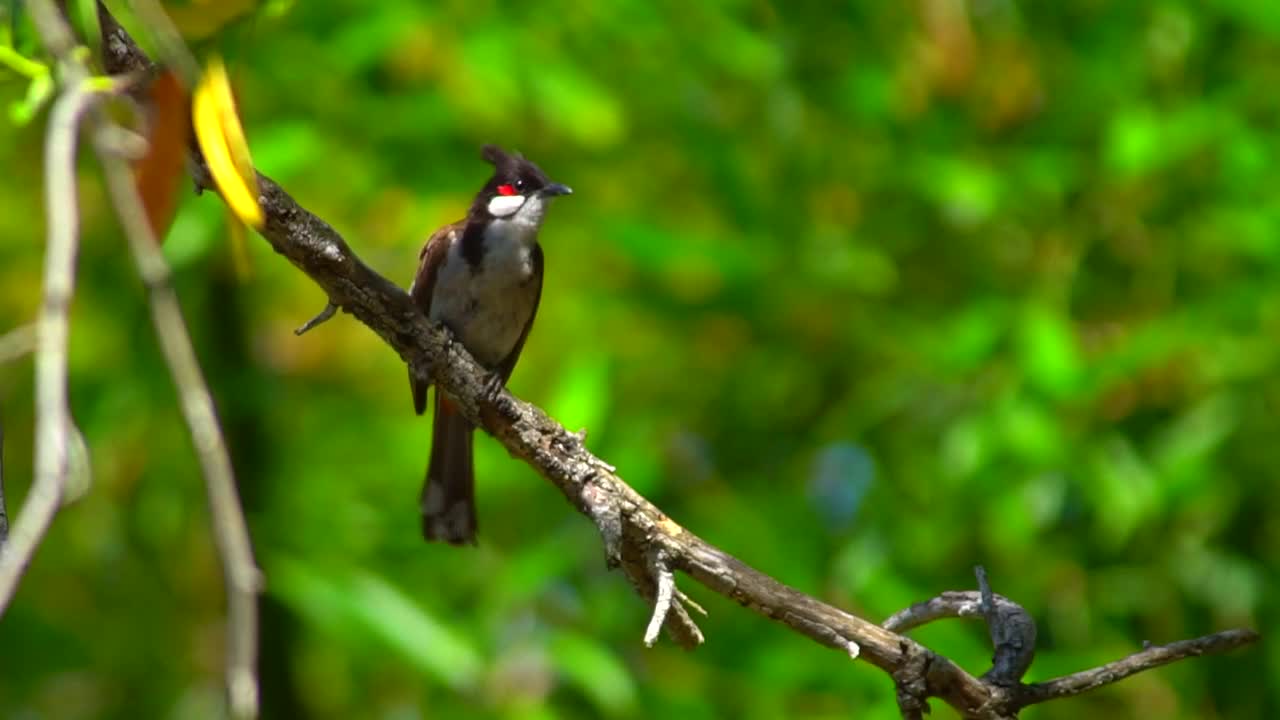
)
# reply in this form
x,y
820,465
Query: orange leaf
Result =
x,y
157,173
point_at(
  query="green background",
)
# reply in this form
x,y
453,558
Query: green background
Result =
x,y
863,293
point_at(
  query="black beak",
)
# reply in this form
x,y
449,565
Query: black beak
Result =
x,y
556,189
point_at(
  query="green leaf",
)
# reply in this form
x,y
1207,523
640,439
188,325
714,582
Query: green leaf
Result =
x,y
579,106
1134,142
197,229
966,191
1124,491
1047,351
408,629
581,398
592,668
367,606
39,91
971,335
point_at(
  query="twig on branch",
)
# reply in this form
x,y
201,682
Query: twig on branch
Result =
x,y
1152,656
647,544
329,310
666,590
950,604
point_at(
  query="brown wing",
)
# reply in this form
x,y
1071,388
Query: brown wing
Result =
x,y
423,290
509,362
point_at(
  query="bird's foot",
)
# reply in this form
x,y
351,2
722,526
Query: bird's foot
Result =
x,y
493,386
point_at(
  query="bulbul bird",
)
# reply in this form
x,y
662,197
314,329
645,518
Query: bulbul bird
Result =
x,y
482,278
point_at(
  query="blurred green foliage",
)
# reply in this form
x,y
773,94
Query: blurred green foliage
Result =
x,y
864,293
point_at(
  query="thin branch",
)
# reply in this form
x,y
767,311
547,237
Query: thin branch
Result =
x,y
690,603
1149,657
950,604
666,590
167,38
986,597
56,35
243,580
53,418
324,315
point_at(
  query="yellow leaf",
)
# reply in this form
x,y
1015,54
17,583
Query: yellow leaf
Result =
x,y
222,141
239,248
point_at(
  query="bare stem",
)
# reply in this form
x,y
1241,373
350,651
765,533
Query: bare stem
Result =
x,y
53,418
666,589
168,39
322,316
1145,659
951,604
231,533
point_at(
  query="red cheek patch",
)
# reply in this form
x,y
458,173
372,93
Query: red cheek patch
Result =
x,y
506,190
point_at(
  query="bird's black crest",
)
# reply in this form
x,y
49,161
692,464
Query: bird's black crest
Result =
x,y
511,168
499,158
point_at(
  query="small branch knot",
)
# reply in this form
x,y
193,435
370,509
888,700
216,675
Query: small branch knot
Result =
x,y
911,684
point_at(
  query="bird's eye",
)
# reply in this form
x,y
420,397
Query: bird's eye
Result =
x,y
506,190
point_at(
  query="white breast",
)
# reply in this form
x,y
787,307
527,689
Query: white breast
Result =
x,y
488,307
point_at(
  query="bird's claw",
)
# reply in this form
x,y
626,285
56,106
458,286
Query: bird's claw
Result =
x,y
493,386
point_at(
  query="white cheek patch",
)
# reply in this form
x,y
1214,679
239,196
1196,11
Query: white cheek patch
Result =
x,y
504,205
